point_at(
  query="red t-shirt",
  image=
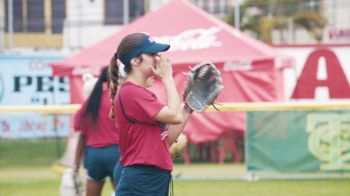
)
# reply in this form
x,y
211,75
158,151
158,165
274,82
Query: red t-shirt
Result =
x,y
101,133
145,141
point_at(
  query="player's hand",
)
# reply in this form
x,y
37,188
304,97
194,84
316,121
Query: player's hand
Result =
x,y
163,68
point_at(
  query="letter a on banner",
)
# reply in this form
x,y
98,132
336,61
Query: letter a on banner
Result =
x,y
335,81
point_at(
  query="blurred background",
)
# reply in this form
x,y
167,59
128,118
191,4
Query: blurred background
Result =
x,y
287,51
62,24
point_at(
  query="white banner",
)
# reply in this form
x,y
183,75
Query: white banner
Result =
x,y
321,72
27,80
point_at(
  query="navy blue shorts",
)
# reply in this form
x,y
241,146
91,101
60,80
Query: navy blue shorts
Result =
x,y
142,180
117,173
100,162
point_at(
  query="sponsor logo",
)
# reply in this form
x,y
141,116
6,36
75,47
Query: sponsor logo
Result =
x,y
329,140
339,34
238,66
322,70
164,134
165,130
38,65
83,70
193,39
150,39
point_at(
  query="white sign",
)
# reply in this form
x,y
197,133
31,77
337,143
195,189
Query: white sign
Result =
x,y
321,72
27,80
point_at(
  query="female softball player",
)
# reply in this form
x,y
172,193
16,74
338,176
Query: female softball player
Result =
x,y
142,119
99,138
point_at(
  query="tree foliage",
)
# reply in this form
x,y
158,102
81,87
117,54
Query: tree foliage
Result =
x,y
260,17
312,22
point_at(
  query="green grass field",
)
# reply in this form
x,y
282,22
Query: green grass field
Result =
x,y
25,170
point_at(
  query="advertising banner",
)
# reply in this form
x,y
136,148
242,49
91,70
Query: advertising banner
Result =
x,y
321,72
298,141
27,80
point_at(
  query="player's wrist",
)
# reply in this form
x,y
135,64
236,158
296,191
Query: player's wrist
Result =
x,y
167,78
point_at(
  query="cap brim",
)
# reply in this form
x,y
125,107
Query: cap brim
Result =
x,y
156,47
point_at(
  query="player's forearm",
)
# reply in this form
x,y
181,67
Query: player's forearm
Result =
x,y
79,151
176,130
173,100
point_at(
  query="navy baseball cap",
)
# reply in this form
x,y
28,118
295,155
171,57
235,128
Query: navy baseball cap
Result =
x,y
148,45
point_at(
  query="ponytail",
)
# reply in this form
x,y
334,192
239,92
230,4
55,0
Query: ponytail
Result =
x,y
94,100
113,84
127,44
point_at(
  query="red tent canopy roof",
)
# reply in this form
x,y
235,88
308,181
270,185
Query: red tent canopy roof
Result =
x,y
194,36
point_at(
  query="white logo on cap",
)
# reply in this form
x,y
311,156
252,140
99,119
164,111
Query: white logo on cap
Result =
x,y
150,39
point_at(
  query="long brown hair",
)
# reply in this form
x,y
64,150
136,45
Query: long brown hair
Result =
x,y
128,43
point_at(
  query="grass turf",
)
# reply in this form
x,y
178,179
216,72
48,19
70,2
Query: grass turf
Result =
x,y
25,170
32,153
38,182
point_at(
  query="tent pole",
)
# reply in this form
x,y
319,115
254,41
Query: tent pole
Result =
x,y
10,23
237,5
125,12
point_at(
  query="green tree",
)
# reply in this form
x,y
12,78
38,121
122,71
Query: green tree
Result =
x,y
262,16
312,22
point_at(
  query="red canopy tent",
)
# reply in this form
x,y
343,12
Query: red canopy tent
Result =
x,y
251,70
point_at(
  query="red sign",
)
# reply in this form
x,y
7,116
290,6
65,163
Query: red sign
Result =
x,y
336,82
